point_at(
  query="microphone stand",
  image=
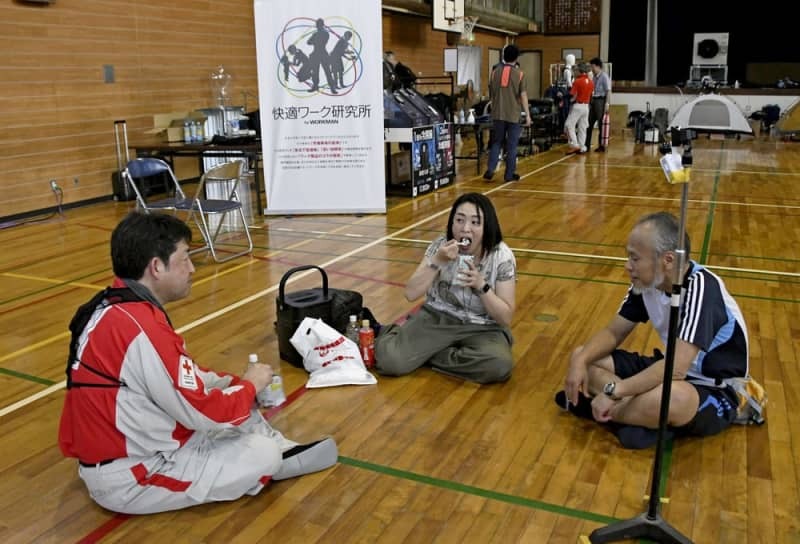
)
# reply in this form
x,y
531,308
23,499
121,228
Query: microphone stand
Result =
x,y
650,524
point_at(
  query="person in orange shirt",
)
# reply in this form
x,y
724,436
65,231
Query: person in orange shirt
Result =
x,y
581,95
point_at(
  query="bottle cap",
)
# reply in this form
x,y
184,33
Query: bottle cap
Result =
x,y
253,358
353,319
365,323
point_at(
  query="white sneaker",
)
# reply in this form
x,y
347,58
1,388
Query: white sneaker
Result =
x,y
307,458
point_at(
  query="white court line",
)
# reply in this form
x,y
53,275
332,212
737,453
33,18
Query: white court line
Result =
x,y
665,199
694,169
611,258
222,311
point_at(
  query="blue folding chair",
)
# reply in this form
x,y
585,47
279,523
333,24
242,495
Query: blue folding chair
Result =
x,y
199,208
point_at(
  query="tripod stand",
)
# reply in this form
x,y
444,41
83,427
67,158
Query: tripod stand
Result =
x,y
650,524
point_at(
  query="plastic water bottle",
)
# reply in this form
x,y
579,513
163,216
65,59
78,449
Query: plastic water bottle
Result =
x,y
193,131
462,267
366,344
187,132
352,330
272,394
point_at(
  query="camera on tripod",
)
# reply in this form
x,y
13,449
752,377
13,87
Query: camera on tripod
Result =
x,y
678,137
682,136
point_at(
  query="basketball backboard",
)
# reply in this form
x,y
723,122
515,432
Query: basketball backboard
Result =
x,y
448,15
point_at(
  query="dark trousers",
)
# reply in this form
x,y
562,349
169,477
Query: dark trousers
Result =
x,y
597,108
508,132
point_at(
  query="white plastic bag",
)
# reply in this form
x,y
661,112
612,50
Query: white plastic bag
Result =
x,y
330,357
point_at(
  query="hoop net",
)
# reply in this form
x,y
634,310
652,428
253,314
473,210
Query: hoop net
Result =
x,y
469,22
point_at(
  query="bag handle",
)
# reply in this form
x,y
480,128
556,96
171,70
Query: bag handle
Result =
x,y
285,278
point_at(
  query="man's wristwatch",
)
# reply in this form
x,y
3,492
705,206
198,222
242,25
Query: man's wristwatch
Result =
x,y
608,390
433,265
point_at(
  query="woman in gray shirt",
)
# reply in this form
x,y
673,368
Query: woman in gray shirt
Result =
x,y
468,276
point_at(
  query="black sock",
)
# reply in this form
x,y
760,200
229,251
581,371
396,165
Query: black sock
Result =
x,y
637,438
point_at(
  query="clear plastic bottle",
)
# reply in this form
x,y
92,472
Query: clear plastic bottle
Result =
x,y
262,397
187,132
351,331
193,131
272,394
201,132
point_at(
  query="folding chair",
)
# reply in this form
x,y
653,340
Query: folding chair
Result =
x,y
198,207
139,169
227,175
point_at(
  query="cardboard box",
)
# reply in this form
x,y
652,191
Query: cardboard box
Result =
x,y
618,115
755,126
170,125
401,167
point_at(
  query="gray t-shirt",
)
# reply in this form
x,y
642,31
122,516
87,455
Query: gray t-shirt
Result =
x,y
462,302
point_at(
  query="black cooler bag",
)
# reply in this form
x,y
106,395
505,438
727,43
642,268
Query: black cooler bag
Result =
x,y
333,306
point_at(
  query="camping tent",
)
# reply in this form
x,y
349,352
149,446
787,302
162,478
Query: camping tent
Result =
x,y
711,113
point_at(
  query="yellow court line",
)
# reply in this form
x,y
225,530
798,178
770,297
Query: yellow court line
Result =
x,y
227,309
219,274
50,280
35,346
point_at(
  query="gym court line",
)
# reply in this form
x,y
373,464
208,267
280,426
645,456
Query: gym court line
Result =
x,y
62,336
229,308
332,261
488,493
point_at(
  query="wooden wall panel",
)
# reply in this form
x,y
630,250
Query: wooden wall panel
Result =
x,y
57,115
420,48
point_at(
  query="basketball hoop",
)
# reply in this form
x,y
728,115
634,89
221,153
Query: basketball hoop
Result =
x,y
468,22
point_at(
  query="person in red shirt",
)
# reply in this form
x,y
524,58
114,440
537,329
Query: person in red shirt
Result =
x,y
153,431
581,95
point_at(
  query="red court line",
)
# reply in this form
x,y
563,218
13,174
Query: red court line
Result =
x,y
293,396
119,519
346,274
105,529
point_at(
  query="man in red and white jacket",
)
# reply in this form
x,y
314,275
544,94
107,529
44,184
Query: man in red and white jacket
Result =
x,y
578,118
151,429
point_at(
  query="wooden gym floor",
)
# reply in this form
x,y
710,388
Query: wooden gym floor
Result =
x,y
427,458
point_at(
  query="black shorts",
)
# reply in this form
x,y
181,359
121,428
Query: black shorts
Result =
x,y
717,408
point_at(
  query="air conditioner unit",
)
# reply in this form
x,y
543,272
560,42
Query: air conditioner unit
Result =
x,y
710,48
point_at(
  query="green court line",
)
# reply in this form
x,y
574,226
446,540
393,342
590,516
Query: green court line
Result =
x,y
666,463
22,375
478,491
711,207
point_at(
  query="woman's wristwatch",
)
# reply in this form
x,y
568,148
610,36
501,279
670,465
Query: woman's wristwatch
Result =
x,y
483,290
